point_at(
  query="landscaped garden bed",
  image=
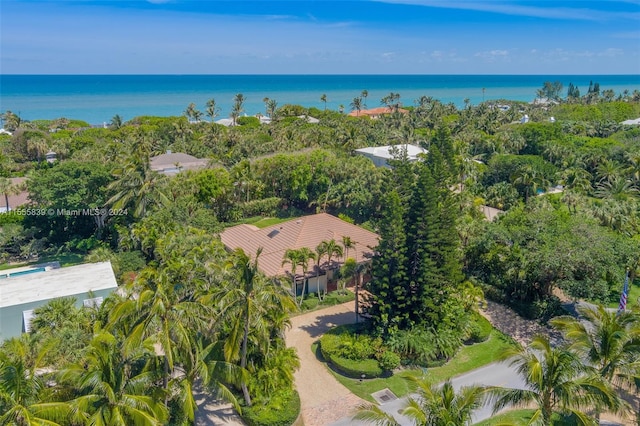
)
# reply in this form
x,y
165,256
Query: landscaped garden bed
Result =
x,y
468,358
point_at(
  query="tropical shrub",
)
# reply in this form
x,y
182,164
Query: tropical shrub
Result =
x,y
354,355
389,360
480,329
309,303
282,409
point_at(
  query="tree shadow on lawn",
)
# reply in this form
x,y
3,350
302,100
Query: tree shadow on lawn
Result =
x,y
324,323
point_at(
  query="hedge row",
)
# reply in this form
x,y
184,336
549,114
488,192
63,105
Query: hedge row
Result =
x,y
355,369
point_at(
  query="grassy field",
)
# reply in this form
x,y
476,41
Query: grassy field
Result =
x,y
467,359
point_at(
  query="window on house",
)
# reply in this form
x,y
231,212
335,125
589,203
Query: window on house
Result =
x,y
27,316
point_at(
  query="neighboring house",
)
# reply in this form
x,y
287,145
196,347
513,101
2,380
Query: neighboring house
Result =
x,y
635,122
309,119
306,231
16,199
490,213
25,289
172,163
375,112
381,155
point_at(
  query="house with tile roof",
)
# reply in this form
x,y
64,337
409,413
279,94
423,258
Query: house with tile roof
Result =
x,y
18,196
306,231
375,113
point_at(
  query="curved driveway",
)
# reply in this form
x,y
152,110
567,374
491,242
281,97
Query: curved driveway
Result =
x,y
324,400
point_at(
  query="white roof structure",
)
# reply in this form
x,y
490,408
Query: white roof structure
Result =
x,y
42,285
225,122
381,154
386,151
635,122
309,119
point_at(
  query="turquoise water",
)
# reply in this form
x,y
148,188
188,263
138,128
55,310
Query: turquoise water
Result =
x,y
97,98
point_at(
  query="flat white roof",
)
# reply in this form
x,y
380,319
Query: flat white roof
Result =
x,y
385,151
63,282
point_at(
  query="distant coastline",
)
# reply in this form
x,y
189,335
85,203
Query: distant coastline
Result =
x,y
97,98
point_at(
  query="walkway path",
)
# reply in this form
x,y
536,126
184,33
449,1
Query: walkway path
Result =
x,y
520,329
324,400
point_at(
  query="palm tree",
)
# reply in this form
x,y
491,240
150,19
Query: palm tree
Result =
x,y
323,98
23,392
347,243
190,112
136,185
247,272
37,148
332,248
293,257
115,385
272,108
161,314
435,406
356,105
361,269
248,299
7,188
557,382
319,254
607,340
364,95
237,108
116,122
212,110
530,179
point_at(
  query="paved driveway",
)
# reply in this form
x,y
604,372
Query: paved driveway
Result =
x,y
324,400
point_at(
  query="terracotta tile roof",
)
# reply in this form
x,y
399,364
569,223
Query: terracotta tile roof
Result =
x,y
375,112
15,200
306,231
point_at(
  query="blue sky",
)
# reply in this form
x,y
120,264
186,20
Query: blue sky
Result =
x,y
319,37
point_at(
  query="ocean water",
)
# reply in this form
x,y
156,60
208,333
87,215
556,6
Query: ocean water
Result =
x,y
97,98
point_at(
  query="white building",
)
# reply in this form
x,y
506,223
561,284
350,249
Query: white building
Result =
x,y
381,155
24,289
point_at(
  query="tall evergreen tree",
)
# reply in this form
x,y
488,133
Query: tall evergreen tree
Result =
x,y
422,231
388,299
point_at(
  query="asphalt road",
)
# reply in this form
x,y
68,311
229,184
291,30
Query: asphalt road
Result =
x,y
496,374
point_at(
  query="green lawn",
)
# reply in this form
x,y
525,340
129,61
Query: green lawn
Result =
x,y
632,299
517,418
467,359
263,222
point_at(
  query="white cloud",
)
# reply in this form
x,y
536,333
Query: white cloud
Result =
x,y
507,8
493,55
